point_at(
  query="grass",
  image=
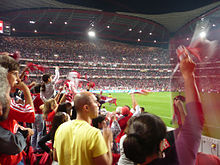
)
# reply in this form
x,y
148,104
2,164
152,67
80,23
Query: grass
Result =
x,y
158,103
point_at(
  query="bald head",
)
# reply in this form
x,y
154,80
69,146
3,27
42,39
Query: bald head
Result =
x,y
81,99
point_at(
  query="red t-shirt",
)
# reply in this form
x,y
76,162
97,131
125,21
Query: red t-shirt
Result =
x,y
49,120
21,113
37,103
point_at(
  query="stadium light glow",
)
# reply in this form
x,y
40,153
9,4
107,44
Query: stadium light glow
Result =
x,y
155,41
187,38
213,25
139,39
150,34
130,29
140,31
65,23
13,29
35,31
202,34
51,22
108,27
32,22
91,34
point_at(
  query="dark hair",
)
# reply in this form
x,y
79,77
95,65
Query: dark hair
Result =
x,y
65,107
36,89
97,120
45,77
128,107
144,136
98,96
74,113
142,109
128,124
179,97
9,63
59,118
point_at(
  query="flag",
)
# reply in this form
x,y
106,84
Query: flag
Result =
x,y
1,26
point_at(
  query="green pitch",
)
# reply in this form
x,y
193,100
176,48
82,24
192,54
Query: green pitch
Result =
x,y
158,103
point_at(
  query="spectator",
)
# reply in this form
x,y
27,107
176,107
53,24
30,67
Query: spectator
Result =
x,y
38,125
144,141
18,112
59,118
10,143
65,107
49,111
48,86
81,143
99,122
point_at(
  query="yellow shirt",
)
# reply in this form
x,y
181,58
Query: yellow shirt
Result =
x,y
77,143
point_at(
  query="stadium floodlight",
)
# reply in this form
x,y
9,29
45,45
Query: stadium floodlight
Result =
x,y
202,34
91,34
32,22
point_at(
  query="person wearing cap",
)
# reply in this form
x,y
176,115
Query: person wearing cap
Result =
x,y
122,121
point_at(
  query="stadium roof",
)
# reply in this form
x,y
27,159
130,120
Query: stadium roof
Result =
x,y
146,21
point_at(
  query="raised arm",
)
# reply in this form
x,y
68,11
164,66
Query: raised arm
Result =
x,y
187,67
23,73
134,102
188,140
57,75
105,159
27,94
135,106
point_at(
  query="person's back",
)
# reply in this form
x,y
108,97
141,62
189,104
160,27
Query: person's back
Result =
x,y
77,142
83,143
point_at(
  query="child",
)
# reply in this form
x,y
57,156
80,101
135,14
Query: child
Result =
x,y
48,87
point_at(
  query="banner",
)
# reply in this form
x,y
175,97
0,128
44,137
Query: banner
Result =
x,y
1,26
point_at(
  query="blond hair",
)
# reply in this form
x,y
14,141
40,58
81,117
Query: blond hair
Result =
x,y
47,108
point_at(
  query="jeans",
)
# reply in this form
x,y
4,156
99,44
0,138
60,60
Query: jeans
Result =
x,y
21,162
38,127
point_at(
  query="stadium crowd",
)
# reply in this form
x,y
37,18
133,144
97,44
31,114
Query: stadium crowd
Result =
x,y
42,124
75,50
103,60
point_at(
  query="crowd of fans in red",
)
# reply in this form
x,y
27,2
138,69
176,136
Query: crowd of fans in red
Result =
x,y
129,135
